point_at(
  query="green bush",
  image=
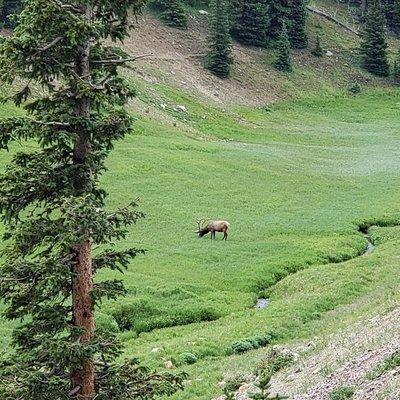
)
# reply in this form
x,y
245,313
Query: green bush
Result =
x,y
188,358
354,88
145,315
255,342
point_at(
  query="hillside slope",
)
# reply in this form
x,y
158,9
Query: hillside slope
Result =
x,y
176,59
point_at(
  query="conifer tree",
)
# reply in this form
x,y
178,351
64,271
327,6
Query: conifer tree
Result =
x,y
283,61
278,14
173,13
251,25
297,28
219,58
374,45
53,208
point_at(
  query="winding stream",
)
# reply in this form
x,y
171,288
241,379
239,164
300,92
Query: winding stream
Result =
x,y
263,302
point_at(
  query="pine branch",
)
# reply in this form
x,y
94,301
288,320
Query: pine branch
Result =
x,y
48,46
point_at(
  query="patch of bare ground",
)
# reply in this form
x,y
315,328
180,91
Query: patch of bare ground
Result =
x,y
177,59
347,359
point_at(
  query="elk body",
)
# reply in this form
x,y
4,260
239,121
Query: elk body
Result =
x,y
213,227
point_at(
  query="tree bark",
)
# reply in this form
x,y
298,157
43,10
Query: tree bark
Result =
x,y
82,303
82,379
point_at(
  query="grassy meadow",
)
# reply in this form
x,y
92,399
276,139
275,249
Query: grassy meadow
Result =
x,y
294,179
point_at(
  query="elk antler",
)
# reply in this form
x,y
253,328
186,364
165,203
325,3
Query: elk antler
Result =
x,y
201,220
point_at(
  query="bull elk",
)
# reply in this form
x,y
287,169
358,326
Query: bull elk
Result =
x,y
213,226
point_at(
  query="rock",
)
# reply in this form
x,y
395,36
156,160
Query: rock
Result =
x,y
163,106
172,72
311,345
180,108
155,350
184,82
168,364
203,12
216,94
329,53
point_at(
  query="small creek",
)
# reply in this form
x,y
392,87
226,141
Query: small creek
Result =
x,y
262,303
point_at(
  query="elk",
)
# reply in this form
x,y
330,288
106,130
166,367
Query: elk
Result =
x,y
213,226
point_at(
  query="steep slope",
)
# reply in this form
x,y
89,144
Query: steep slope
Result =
x,y
176,59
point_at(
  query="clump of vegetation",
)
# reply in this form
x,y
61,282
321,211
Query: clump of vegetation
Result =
x,y
283,61
342,393
318,50
188,358
255,342
374,45
354,88
219,57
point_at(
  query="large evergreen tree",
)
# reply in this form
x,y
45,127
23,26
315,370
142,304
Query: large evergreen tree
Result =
x,y
173,13
250,27
283,61
374,45
219,58
278,13
53,208
297,26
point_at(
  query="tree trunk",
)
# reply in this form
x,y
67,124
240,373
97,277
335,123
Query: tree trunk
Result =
x,y
82,379
82,303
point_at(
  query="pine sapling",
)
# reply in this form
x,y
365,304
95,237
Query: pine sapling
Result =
x,y
219,57
283,61
374,45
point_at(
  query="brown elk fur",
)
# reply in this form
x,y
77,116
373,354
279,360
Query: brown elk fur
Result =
x,y
213,227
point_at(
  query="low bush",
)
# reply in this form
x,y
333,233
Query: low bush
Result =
x,y
188,358
145,315
255,342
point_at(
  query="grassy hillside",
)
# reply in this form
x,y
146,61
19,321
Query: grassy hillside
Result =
x,y
295,178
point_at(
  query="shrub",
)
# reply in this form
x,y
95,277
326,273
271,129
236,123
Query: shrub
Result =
x,y
188,358
318,50
255,342
354,88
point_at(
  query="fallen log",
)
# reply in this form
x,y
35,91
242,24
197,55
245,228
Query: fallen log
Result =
x,y
333,19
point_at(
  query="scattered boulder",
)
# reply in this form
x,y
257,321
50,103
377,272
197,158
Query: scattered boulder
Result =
x,y
180,108
203,12
329,53
155,350
168,364
163,106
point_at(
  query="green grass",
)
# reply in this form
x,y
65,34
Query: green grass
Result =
x,y
342,393
294,182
